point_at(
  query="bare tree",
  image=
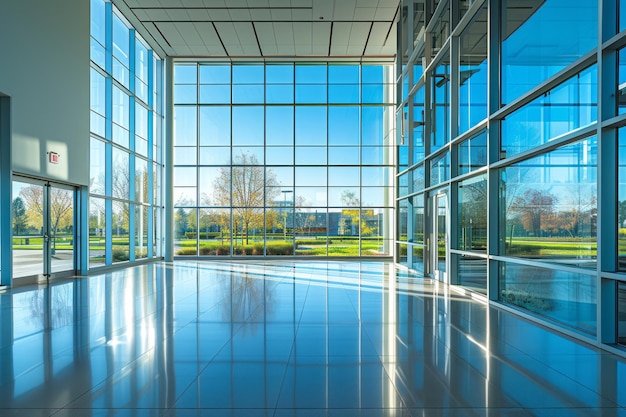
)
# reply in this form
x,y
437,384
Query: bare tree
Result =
x,y
246,186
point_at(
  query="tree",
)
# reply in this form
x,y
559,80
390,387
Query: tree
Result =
x,y
181,221
246,187
536,207
19,216
61,207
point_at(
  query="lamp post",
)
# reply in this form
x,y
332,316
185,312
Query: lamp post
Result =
x,y
285,212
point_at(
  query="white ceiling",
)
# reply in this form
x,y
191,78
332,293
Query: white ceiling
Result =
x,y
266,28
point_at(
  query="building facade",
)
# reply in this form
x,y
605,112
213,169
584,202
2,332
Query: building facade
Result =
x,y
510,178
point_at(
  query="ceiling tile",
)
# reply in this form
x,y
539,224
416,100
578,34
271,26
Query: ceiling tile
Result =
x,y
305,15
170,33
219,15
199,15
344,10
386,13
193,3
260,15
281,15
157,15
323,8
189,33
364,13
179,15
240,15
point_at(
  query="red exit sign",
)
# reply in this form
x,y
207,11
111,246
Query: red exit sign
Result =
x,y
53,157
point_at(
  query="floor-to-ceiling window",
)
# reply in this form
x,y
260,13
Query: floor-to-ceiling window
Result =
x,y
283,159
512,119
126,116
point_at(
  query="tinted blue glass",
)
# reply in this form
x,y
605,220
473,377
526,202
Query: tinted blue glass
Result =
x,y
311,74
185,125
279,125
419,181
551,206
248,125
372,74
373,94
185,94
527,59
248,74
343,125
279,155
215,155
343,93
248,93
472,214
532,288
440,104
214,126
214,74
213,93
310,125
279,93
472,153
373,126
185,74
569,106
403,184
97,27
311,155
343,74
279,74
622,15
311,93
343,155
473,73
440,169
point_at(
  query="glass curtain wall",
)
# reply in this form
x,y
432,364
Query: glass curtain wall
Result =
x,y
530,153
125,153
283,159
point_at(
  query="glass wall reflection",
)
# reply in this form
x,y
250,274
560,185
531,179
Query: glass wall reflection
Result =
x,y
550,206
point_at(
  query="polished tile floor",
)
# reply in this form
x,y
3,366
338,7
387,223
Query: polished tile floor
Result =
x,y
193,339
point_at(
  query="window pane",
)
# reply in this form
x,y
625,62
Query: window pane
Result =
x,y
473,153
97,166
472,223
214,74
551,206
343,125
279,125
121,118
120,225
248,126
533,288
310,126
527,59
473,73
214,126
185,126
120,174
569,106
473,272
97,232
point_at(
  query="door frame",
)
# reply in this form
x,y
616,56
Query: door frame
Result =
x,y
435,259
48,273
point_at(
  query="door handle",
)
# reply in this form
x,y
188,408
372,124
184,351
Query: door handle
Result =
x,y
46,238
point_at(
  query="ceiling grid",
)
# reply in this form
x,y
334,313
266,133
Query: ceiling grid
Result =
x,y
261,29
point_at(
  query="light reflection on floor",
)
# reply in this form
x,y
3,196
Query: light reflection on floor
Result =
x,y
286,339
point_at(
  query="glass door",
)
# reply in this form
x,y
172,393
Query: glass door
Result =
x,y
440,240
43,218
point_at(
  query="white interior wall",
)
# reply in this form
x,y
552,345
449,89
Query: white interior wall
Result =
x,y
44,68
